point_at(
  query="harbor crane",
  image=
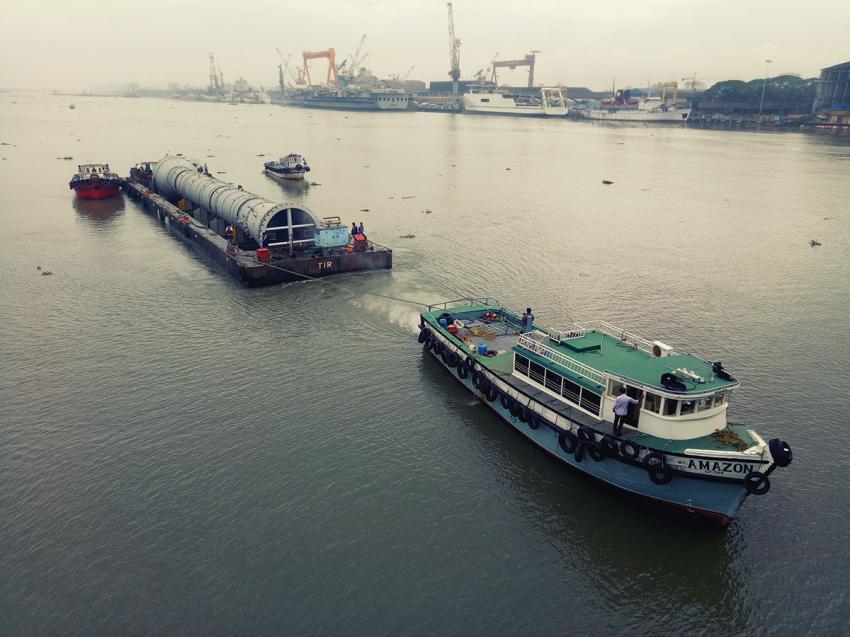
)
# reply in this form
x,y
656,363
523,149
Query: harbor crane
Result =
x,y
528,61
216,82
333,71
454,51
299,79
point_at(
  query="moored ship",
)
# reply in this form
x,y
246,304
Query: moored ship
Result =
x,y
95,181
348,99
559,388
623,107
293,166
550,102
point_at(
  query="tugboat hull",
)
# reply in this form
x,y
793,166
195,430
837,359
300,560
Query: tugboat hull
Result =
x,y
716,502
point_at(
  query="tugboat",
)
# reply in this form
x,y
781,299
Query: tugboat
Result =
x,y
95,181
558,388
290,167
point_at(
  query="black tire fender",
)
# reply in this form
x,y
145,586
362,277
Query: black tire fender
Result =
x,y
477,379
522,412
594,450
585,434
462,372
491,393
470,363
567,441
609,445
654,459
629,450
533,420
780,451
424,334
506,401
660,474
757,483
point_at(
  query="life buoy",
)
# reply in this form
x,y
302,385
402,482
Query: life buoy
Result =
x,y
585,434
629,450
609,445
567,441
757,483
462,372
594,451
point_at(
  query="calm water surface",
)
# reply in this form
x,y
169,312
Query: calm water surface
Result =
x,y
179,455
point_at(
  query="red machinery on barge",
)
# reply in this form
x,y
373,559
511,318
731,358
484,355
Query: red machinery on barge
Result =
x,y
95,181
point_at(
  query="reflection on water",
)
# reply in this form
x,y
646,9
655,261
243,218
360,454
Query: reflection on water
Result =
x,y
612,539
292,189
99,210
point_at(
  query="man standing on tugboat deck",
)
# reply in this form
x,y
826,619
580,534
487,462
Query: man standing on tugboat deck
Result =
x,y
621,410
527,320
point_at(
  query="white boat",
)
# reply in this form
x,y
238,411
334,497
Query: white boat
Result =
x,y
293,166
622,107
550,102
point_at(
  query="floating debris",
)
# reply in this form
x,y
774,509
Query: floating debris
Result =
x,y
46,273
6,144
409,197
607,182
427,211
409,235
261,155
390,197
209,156
66,158
364,210
38,267
814,243
315,183
507,168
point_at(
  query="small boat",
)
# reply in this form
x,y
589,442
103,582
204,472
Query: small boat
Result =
x,y
95,181
558,388
292,166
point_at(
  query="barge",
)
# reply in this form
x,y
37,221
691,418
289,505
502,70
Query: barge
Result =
x,y
258,241
558,388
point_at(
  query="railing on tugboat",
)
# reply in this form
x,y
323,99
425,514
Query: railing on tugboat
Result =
x,y
465,302
612,330
529,341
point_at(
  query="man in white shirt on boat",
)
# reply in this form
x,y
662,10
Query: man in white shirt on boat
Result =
x,y
621,410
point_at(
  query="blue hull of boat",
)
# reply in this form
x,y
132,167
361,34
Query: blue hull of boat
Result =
x,y
716,500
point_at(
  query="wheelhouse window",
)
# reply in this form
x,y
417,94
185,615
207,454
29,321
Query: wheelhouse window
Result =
x,y
590,401
571,391
671,405
521,364
652,402
719,399
704,403
536,373
688,407
553,382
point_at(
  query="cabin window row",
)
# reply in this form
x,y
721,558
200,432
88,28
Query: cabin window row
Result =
x,y
669,406
564,387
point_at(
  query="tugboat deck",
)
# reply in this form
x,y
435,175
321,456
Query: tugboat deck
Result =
x,y
599,351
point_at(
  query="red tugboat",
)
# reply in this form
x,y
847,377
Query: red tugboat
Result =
x,y
95,181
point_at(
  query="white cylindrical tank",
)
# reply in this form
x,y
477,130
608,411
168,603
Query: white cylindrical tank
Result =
x,y
267,222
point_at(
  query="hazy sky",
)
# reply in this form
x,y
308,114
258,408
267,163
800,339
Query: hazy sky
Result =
x,y
72,44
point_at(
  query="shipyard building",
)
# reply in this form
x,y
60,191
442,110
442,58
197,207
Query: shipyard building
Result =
x,y
832,99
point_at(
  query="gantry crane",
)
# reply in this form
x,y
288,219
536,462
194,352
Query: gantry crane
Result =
x,y
528,61
333,71
454,51
215,82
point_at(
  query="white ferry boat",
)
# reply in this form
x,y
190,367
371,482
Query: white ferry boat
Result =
x,y
550,102
293,166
